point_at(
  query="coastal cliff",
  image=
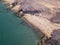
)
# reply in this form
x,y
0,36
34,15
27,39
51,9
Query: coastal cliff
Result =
x,y
42,14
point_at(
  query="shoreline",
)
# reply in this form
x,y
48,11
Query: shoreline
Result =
x,y
43,30
41,22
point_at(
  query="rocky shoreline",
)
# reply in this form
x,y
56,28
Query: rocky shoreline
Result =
x,y
39,16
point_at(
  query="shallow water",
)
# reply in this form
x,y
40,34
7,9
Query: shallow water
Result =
x,y
13,32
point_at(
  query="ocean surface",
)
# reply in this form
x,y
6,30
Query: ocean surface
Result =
x,y
13,30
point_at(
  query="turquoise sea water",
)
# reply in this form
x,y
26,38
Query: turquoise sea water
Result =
x,y
13,31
